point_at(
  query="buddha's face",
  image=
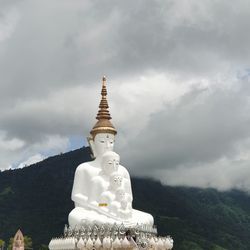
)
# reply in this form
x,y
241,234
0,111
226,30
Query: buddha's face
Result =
x,y
120,194
115,181
110,162
104,142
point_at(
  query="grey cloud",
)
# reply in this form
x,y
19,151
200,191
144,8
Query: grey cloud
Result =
x,y
222,174
205,125
70,43
51,64
153,34
65,113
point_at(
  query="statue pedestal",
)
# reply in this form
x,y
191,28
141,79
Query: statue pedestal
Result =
x,y
111,237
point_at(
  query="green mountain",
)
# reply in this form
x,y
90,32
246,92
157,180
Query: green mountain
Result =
x,y
37,200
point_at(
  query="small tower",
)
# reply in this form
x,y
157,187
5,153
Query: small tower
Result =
x,y
18,242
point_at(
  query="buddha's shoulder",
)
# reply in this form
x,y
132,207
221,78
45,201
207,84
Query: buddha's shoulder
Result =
x,y
85,166
123,170
98,180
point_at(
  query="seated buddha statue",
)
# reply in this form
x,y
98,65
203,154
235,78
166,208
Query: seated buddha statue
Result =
x,y
102,188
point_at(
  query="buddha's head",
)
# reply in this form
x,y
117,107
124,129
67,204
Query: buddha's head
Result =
x,y
120,194
103,143
115,181
124,204
110,162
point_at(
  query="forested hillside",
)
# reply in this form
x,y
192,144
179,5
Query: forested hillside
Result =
x,y
37,200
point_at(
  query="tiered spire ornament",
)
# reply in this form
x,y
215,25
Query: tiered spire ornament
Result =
x,y
103,125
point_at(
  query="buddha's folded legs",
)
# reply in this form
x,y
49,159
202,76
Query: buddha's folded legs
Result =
x,y
79,216
142,217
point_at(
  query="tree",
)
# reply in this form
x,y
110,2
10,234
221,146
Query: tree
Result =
x,y
27,243
10,246
43,247
2,243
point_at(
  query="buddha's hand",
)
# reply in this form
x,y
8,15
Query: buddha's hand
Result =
x,y
106,197
80,199
94,203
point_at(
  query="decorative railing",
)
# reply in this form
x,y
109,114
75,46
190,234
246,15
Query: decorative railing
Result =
x,y
93,236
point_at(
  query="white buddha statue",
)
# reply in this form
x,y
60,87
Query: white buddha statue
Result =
x,y
102,188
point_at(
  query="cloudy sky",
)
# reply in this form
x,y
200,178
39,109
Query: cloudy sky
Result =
x,y
178,81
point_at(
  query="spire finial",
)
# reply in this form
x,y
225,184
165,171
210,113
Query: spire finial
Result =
x,y
104,81
103,124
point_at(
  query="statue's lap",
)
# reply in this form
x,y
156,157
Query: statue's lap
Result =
x,y
80,215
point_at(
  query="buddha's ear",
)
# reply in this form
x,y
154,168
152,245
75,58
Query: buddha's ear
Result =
x,y
92,146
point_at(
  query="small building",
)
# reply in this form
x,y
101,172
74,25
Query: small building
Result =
x,y
18,242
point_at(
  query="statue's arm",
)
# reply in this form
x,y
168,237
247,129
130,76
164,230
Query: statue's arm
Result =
x,y
127,181
97,187
79,187
80,199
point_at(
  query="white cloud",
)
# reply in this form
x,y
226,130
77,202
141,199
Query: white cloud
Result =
x,y
31,160
25,153
223,174
10,144
207,124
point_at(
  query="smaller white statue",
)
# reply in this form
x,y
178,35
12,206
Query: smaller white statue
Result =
x,y
115,181
121,205
117,197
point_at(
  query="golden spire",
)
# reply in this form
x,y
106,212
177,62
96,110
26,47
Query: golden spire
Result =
x,y
104,81
103,124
